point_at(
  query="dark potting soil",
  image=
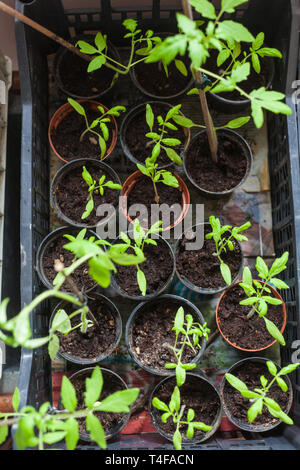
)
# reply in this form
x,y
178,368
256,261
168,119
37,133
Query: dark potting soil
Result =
x,y
138,144
157,268
66,138
55,251
76,80
196,394
246,333
224,175
201,267
253,82
98,339
152,331
143,193
111,384
72,194
250,373
154,80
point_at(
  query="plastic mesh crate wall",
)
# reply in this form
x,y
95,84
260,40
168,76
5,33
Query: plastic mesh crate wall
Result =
x,y
275,17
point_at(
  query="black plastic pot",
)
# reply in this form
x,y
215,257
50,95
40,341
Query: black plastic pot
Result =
x,y
136,82
189,284
227,106
60,56
155,414
107,375
68,168
118,322
123,293
166,298
133,113
245,148
50,238
252,427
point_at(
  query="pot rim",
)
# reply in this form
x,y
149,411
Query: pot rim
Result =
x,y
136,110
189,284
248,156
215,425
185,198
64,110
107,353
284,314
135,312
68,167
252,427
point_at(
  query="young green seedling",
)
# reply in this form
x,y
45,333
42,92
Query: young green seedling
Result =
x,y
98,127
187,335
223,236
95,187
35,428
157,176
259,396
257,292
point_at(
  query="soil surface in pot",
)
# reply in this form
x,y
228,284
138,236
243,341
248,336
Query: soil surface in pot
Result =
x,y
111,384
201,267
54,251
253,82
238,406
157,268
154,80
138,144
66,138
72,194
143,193
75,78
98,339
152,331
195,394
224,175
248,334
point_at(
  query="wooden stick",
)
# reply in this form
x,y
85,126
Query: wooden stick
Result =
x,y
210,130
41,29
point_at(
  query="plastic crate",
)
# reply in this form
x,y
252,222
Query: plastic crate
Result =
x,y
279,20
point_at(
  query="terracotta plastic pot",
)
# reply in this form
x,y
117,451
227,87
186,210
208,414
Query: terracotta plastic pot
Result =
x,y
118,322
107,376
141,110
202,290
276,294
247,153
155,414
247,426
64,111
188,306
185,201
68,168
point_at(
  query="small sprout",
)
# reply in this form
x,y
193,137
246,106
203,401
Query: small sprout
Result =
x,y
222,236
157,176
101,124
259,396
258,293
93,186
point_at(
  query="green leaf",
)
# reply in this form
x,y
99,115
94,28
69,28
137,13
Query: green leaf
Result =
x,y
173,156
269,52
87,177
86,48
100,42
177,440
179,318
3,433
160,405
102,145
274,331
181,67
190,415
61,322
229,29
236,123
88,209
77,106
72,430
94,427
288,369
261,267
149,116
282,384
183,121
175,400
256,63
180,375
16,399
236,383
222,56
247,276
142,281
255,409
68,394
130,24
258,41
93,387
119,402
226,273
240,73
165,416
229,5
205,8
96,63
279,284
52,437
272,368
249,394
53,346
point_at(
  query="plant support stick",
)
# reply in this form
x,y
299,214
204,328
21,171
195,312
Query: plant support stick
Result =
x,y
211,134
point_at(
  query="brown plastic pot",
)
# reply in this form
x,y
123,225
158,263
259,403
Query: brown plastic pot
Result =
x,y
185,200
276,294
64,111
